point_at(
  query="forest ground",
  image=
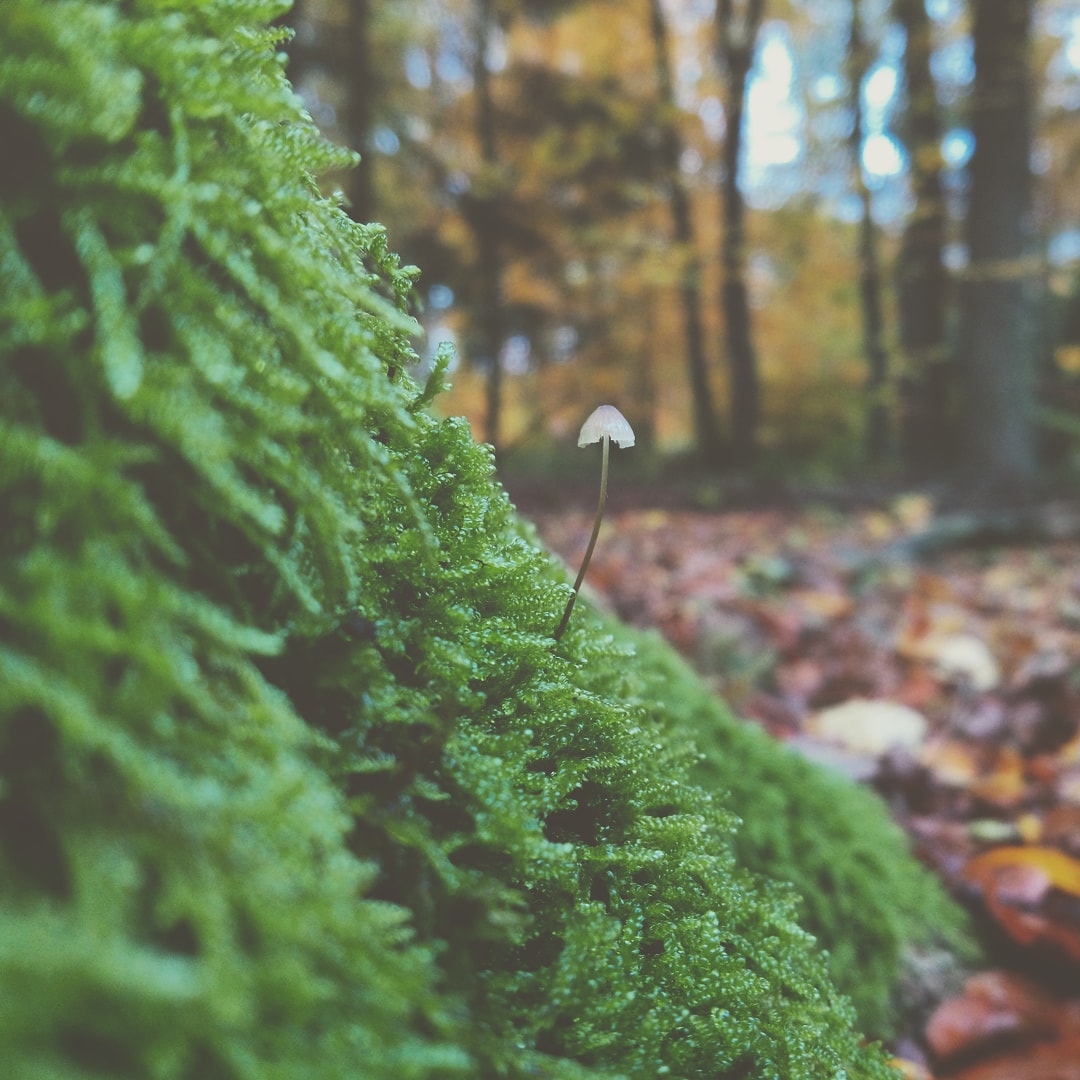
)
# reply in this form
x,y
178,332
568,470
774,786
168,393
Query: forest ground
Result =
x,y
940,667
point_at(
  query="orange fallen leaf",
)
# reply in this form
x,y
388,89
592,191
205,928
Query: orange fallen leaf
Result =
x,y
1018,885
1004,785
952,763
910,1070
996,1007
1061,870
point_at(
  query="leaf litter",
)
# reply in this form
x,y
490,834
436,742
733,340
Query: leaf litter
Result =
x,y
952,686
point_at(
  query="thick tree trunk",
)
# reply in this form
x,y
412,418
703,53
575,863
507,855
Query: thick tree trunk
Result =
x,y
999,291
704,412
927,440
489,268
873,318
736,35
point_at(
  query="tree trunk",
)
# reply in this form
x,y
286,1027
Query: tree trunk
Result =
x,y
877,360
999,291
489,268
360,100
704,412
735,39
928,445
348,58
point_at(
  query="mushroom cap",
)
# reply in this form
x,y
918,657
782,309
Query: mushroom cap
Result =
x,y
606,420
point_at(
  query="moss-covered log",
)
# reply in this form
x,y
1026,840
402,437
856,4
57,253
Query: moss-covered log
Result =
x,y
294,781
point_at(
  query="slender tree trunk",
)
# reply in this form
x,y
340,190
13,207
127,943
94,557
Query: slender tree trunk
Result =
x,y
348,57
999,291
704,411
736,35
489,268
873,318
360,99
926,433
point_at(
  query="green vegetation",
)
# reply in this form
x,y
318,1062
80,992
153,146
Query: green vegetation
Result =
x,y
865,898
294,781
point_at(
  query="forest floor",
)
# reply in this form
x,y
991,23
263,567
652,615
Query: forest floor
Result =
x,y
946,674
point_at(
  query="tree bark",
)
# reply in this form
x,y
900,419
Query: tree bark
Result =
x,y
999,291
873,318
360,100
927,441
489,266
348,58
704,411
736,35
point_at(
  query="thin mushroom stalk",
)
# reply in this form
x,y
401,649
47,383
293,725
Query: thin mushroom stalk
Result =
x,y
605,425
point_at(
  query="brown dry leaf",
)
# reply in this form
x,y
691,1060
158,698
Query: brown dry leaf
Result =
x,y
995,1007
1018,886
1043,1061
1004,785
822,605
952,763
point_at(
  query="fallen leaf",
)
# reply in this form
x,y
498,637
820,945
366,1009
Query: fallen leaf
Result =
x,y
869,727
1019,887
963,658
952,763
996,1007
1063,871
1004,784
1058,1060
910,1070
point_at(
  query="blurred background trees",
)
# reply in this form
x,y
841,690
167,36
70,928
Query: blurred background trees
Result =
x,y
814,237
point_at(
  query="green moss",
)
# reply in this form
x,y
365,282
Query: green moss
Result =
x,y
294,780
864,896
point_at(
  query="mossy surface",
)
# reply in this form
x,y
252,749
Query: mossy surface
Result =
x,y
293,780
863,894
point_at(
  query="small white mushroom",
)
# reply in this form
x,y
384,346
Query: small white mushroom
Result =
x,y
606,425
606,422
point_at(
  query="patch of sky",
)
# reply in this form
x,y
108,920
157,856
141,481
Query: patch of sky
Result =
x,y
440,297
1064,248
774,117
386,141
497,55
515,355
711,112
417,67
828,87
1042,158
882,157
879,94
450,66
439,333
954,63
457,183
944,11
1072,44
691,161
957,146
564,341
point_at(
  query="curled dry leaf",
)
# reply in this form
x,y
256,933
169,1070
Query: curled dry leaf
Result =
x,y
1023,887
996,1007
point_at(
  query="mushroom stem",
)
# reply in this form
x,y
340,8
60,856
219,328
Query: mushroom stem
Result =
x,y
605,445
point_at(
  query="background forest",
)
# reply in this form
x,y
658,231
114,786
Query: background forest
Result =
x,y
816,237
